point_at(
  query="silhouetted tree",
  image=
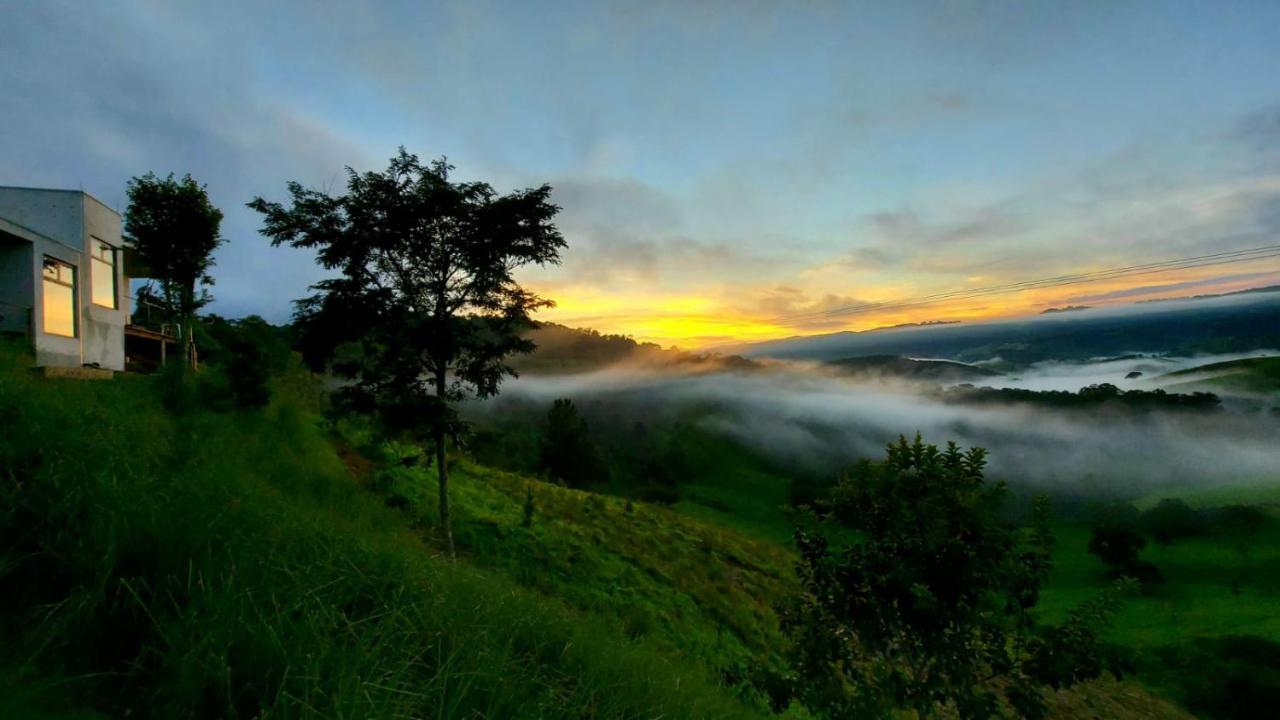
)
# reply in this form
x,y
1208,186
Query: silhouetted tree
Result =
x,y
1118,547
1171,519
250,350
175,229
1241,525
426,307
567,453
928,604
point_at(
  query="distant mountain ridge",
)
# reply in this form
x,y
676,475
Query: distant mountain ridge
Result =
x,y
561,350
1237,322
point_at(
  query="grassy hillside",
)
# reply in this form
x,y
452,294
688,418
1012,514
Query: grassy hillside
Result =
x,y
161,565
700,589
261,564
1250,375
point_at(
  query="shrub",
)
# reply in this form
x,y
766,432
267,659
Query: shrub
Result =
x,y
929,605
1171,520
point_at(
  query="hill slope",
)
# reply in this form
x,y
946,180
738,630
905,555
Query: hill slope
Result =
x,y
205,565
197,564
1249,375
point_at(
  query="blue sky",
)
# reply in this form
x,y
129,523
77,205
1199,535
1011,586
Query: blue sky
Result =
x,y
722,166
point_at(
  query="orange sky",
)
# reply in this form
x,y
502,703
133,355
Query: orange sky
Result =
x,y
711,316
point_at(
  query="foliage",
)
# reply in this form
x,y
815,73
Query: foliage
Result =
x,y
1229,678
566,452
703,590
215,566
1118,547
426,306
1241,525
250,351
1171,519
929,607
1088,398
175,229
1072,652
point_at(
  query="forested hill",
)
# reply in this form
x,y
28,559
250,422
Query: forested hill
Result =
x,y
564,350
1237,323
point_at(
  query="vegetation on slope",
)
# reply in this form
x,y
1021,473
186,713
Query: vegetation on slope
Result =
x,y
706,591
224,565
1249,375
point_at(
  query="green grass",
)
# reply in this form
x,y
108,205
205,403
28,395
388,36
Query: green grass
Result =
x,y
227,565
1249,375
704,591
1210,589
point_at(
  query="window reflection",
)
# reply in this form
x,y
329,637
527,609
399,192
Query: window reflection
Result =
x,y
59,298
102,267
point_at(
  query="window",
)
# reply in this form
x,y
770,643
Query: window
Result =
x,y
102,266
59,298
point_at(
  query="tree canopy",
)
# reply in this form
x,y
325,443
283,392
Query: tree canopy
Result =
x,y
425,307
175,229
917,594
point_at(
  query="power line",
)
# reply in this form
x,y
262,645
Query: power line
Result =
x,y
1199,261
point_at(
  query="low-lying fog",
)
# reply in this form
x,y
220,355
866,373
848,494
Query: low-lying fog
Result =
x,y
1055,375
807,418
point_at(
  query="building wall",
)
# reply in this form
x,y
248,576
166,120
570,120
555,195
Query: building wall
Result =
x,y
56,214
56,350
102,328
69,222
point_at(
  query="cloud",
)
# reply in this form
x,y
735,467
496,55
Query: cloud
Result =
x,y
1143,291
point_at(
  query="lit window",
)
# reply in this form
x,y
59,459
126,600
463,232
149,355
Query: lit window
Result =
x,y
59,298
103,269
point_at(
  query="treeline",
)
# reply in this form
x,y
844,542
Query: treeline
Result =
x,y
561,349
611,453
1091,397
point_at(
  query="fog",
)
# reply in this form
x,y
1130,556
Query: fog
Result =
x,y
807,419
1056,375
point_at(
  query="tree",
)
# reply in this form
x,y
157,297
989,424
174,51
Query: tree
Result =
x,y
426,307
175,230
250,351
927,604
1118,547
566,452
1171,519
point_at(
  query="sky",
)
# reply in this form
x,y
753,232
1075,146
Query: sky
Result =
x,y
727,172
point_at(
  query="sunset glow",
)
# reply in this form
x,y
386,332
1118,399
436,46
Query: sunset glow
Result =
x,y
719,318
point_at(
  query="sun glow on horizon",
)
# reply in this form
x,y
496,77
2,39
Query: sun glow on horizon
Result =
x,y
695,321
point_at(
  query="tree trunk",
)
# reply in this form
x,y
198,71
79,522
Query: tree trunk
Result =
x,y
189,342
442,472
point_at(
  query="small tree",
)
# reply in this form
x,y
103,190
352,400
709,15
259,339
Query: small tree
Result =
x,y
175,230
426,306
926,604
1171,519
1118,547
567,453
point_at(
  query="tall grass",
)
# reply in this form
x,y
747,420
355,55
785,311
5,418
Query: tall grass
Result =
x,y
225,565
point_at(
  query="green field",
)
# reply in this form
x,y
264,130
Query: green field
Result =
x,y
1250,375
267,563
228,565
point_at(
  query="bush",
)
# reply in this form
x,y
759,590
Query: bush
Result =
x,y
1228,678
567,453
1171,520
156,565
931,604
1118,548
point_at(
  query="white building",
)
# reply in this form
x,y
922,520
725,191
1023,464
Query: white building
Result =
x,y
62,280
